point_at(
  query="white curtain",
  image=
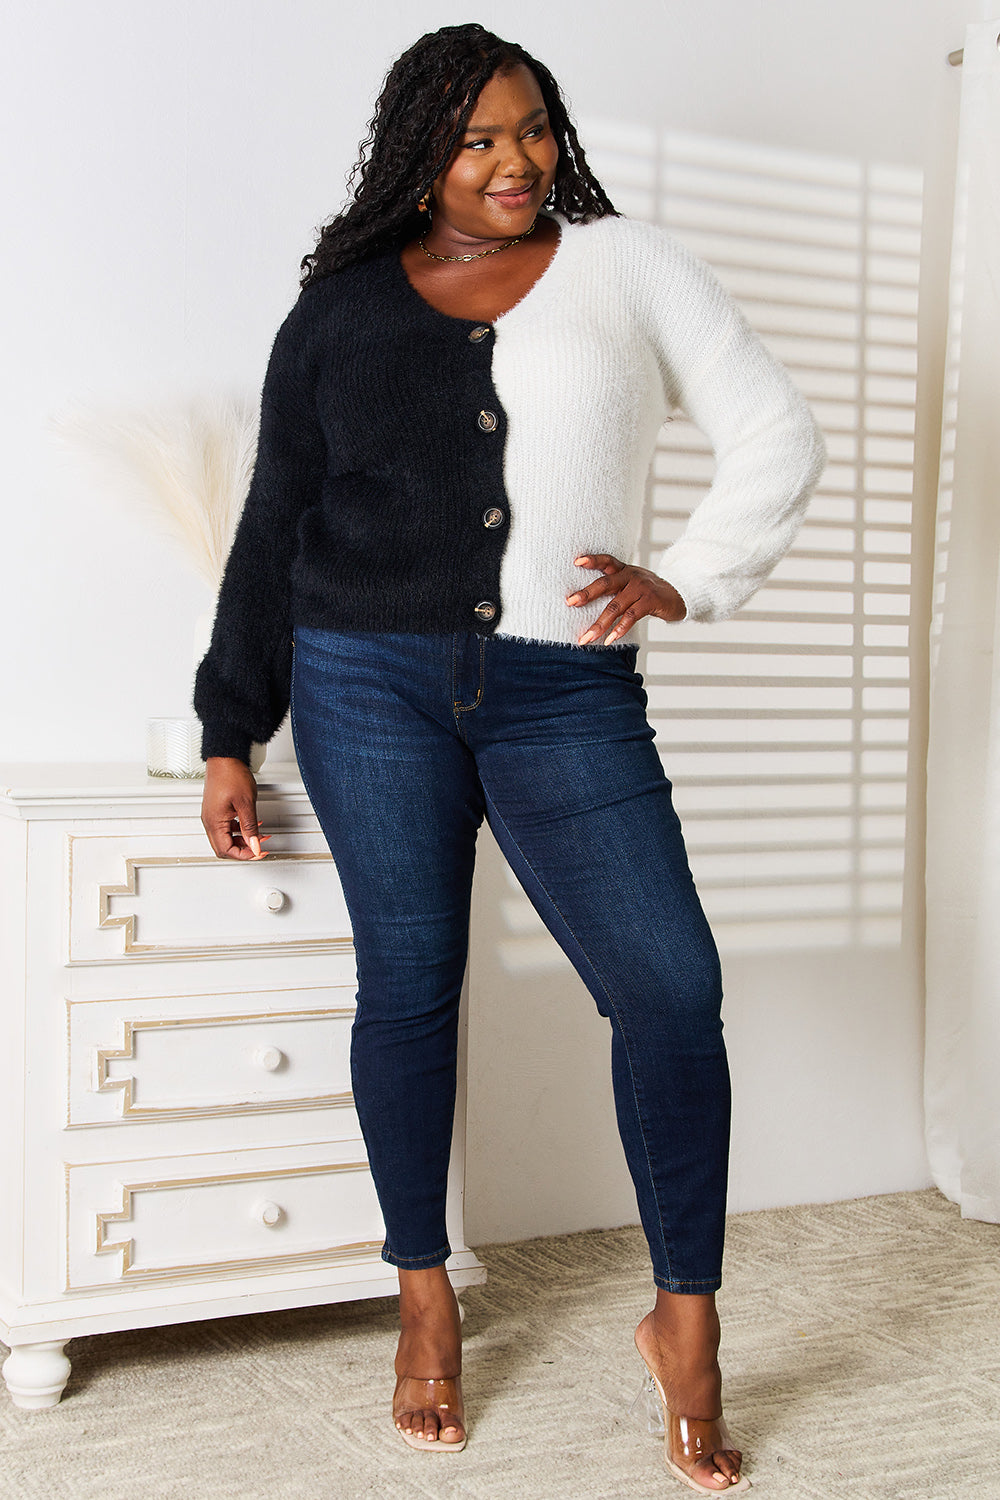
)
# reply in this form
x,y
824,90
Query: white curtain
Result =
x,y
962,1062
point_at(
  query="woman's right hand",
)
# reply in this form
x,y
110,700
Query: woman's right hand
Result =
x,y
231,797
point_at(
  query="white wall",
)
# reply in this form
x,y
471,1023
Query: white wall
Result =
x,y
172,161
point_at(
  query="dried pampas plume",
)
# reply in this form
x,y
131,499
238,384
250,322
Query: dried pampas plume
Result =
x,y
188,467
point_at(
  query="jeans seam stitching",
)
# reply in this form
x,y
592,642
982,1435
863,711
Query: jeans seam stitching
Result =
x,y
466,708
611,1002
455,705
406,1261
669,1282
291,709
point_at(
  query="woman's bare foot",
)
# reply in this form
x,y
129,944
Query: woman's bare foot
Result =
x,y
679,1340
430,1348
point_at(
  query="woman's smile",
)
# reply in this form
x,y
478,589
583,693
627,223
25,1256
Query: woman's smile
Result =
x,y
513,197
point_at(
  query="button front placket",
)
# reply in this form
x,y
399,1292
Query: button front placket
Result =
x,y
486,477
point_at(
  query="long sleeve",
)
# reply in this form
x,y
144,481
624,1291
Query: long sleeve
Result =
x,y
768,450
242,684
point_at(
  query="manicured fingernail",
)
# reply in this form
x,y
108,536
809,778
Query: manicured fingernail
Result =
x,y
589,636
572,598
255,844
581,560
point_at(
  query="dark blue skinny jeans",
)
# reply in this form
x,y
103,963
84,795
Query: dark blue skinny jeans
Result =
x,y
405,743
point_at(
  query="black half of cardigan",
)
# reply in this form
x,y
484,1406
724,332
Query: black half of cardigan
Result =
x,y
377,501
415,438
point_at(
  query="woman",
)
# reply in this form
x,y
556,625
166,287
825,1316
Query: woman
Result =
x,y
458,418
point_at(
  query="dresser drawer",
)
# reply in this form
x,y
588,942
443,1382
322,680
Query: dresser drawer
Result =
x,y
148,896
219,1215
184,1056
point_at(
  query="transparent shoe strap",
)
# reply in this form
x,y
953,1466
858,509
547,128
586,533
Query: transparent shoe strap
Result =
x,y
647,1408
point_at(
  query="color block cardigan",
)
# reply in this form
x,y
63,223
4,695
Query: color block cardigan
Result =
x,y
420,472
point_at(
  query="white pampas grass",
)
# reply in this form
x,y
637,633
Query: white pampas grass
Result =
x,y
187,467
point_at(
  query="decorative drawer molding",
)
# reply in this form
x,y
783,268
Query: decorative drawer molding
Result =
x,y
162,897
175,1118
199,1056
212,1216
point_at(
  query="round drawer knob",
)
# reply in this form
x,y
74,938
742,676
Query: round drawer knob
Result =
x,y
273,900
269,1213
269,1058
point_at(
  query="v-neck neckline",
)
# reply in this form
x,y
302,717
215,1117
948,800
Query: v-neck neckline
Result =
x,y
539,283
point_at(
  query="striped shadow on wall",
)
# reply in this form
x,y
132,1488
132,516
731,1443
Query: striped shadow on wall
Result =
x,y
785,729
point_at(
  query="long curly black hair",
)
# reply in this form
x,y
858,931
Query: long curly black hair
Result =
x,y
421,114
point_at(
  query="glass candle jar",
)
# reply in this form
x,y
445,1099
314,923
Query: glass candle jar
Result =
x,y
173,748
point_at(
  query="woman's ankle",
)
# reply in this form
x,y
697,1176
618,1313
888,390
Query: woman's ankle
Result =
x,y
430,1339
425,1293
688,1318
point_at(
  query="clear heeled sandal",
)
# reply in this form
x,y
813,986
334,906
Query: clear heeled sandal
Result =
x,y
440,1396
686,1439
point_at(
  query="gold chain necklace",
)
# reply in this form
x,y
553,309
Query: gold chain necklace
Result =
x,y
479,254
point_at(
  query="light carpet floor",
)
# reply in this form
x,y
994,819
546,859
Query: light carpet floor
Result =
x,y
861,1358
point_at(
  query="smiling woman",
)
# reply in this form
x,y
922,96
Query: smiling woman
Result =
x,y
486,200
433,114
501,173
432,567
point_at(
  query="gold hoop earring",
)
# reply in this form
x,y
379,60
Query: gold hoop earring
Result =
x,y
423,204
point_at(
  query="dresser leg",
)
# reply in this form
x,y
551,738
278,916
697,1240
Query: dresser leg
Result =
x,y
36,1374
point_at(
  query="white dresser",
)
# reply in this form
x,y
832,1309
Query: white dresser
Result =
x,y
177,1134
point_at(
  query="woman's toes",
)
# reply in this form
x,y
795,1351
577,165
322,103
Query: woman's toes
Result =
x,y
436,1428
727,1468
713,1471
441,1429
414,1423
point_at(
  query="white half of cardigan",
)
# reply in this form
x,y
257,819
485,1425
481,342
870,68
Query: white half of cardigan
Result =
x,y
625,326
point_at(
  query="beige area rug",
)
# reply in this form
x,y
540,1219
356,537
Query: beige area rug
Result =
x,y
861,1356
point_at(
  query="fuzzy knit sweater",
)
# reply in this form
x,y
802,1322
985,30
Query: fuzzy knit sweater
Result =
x,y
421,472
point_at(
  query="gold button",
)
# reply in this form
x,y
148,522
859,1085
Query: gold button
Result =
x,y
492,517
478,334
486,609
487,420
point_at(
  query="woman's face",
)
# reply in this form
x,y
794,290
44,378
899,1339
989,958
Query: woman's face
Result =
x,y
505,164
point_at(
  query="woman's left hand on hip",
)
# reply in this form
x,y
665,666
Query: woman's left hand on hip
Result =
x,y
636,592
